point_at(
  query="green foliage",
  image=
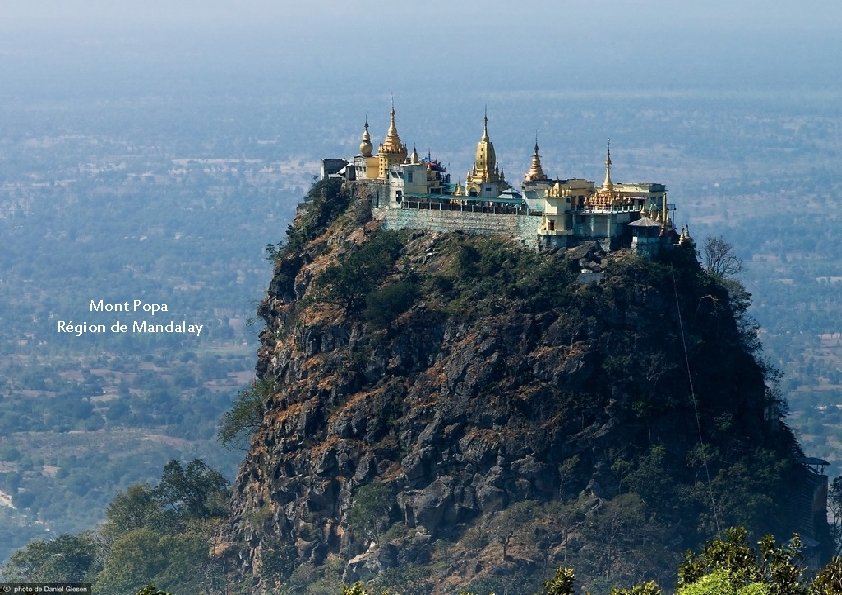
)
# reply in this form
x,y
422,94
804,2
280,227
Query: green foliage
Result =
x,y
624,542
732,554
134,558
829,580
487,275
135,508
730,566
561,583
316,580
151,589
159,534
176,562
353,278
67,558
650,476
721,582
359,589
782,565
387,303
324,203
278,558
244,417
647,588
369,514
162,533
744,489
194,492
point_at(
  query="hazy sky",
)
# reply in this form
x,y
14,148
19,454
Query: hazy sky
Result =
x,y
440,44
614,16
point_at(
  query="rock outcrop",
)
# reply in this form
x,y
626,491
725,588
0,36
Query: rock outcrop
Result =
x,y
496,385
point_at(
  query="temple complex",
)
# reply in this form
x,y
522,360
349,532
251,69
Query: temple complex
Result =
x,y
408,191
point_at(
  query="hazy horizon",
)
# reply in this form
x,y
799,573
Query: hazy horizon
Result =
x,y
73,46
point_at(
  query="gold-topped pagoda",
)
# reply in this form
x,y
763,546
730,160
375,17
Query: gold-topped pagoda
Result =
x,y
551,212
607,184
365,145
485,179
536,172
392,151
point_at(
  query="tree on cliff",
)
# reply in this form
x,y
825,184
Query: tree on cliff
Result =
x,y
719,257
349,282
369,514
244,417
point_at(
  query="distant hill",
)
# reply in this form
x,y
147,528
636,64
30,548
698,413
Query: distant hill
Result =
x,y
447,411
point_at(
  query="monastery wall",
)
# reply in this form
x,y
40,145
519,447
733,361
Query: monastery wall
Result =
x,y
521,227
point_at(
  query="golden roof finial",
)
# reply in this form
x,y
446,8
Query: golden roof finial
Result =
x,y
393,130
536,172
392,142
607,184
485,126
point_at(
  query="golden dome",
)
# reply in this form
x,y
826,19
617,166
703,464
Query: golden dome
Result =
x,y
366,146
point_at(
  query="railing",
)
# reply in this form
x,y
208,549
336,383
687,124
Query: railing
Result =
x,y
488,207
606,209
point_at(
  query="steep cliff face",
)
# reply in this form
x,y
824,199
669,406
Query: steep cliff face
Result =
x,y
451,411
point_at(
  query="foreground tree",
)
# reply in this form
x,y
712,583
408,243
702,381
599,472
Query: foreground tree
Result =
x,y
152,534
66,558
733,565
561,583
725,566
